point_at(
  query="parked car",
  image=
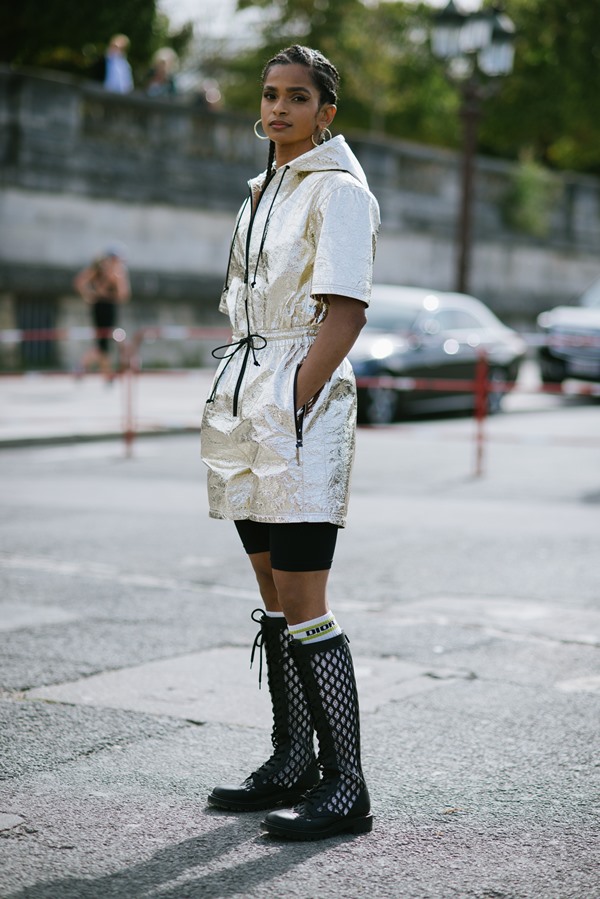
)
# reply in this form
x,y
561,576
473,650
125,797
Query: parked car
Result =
x,y
574,339
417,333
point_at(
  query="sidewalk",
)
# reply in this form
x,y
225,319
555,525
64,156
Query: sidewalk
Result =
x,y
125,636
38,407
59,407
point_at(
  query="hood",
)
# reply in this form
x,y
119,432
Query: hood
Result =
x,y
333,155
580,317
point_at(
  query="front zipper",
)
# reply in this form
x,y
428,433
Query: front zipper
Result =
x,y
253,211
247,343
299,415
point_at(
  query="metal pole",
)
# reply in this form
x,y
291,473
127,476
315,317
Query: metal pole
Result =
x,y
482,371
470,114
129,385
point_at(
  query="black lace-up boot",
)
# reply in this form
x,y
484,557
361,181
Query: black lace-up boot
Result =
x,y
340,803
292,769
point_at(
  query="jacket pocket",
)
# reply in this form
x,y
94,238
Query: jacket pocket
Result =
x,y
298,413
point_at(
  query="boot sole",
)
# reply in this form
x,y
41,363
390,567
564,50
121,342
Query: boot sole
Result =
x,y
353,825
232,805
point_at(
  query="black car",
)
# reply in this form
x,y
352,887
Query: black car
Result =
x,y
412,332
573,335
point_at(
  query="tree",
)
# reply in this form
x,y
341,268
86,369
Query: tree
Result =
x,y
71,36
548,108
551,102
389,77
389,83
313,22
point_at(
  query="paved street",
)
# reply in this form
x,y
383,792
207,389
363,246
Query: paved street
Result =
x,y
473,608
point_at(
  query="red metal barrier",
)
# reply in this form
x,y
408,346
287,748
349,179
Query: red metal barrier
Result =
x,y
12,336
191,332
480,386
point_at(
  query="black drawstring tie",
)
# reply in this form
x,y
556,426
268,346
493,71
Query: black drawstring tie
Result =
x,y
259,642
252,344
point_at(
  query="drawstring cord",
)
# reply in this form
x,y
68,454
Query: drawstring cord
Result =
x,y
251,343
259,642
266,228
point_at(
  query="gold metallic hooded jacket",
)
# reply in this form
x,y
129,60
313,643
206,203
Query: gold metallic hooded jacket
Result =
x,y
312,234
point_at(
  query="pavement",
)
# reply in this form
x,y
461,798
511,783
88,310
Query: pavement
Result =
x,y
51,408
37,408
472,605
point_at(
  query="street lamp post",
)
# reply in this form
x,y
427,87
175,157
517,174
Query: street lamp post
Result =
x,y
476,46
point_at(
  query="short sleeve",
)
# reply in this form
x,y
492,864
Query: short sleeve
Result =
x,y
346,243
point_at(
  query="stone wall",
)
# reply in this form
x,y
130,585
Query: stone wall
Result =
x,y
81,169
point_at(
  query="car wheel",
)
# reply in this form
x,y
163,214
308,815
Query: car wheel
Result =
x,y
552,371
495,397
380,406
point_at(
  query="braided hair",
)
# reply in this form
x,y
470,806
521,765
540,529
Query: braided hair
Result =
x,y
324,74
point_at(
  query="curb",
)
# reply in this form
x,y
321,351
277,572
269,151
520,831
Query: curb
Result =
x,y
67,439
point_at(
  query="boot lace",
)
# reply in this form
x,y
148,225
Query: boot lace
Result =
x,y
293,745
259,642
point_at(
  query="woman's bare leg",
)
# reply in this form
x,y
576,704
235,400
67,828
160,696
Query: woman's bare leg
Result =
x,y
301,594
261,563
106,366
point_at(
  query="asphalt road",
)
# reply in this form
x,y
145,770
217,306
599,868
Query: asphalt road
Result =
x,y
472,605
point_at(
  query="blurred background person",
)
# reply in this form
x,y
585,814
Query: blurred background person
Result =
x,y
116,75
161,81
103,285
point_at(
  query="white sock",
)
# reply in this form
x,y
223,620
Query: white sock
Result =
x,y
274,614
316,630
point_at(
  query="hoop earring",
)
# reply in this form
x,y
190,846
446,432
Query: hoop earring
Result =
x,y
259,136
322,137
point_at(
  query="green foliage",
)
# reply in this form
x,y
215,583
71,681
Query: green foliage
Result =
x,y
71,36
390,76
391,83
529,202
551,102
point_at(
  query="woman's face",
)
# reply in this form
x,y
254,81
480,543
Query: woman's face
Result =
x,y
291,110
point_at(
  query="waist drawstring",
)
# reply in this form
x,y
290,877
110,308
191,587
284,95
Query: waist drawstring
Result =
x,y
252,343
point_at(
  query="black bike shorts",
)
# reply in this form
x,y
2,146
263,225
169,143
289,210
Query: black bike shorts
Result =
x,y
302,546
104,316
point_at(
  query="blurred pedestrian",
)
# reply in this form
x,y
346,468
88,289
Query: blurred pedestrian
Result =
x,y
161,77
103,285
117,75
278,439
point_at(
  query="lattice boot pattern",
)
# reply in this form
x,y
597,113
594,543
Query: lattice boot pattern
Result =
x,y
292,768
340,803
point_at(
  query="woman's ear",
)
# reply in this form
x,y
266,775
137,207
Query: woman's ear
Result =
x,y
327,115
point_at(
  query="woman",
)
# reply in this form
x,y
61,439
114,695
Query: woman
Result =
x,y
103,285
278,438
